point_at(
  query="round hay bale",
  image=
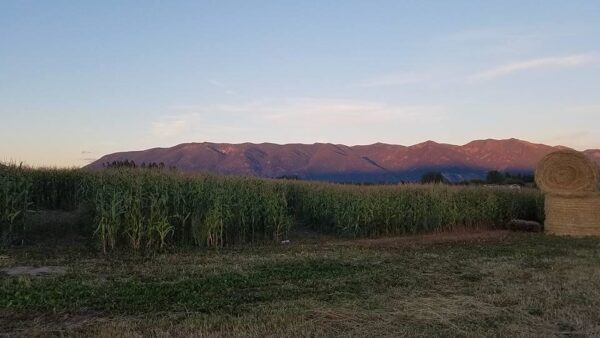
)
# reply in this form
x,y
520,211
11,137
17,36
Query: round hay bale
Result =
x,y
567,172
572,215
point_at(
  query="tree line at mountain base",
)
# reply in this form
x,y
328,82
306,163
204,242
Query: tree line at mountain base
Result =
x,y
493,177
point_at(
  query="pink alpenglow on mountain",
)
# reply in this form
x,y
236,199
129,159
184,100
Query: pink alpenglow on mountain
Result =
x,y
377,162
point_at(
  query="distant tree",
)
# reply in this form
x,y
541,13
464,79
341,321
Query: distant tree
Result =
x,y
503,178
433,177
495,177
131,164
119,164
513,180
288,177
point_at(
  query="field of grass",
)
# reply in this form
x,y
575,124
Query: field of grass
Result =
x,y
475,283
124,252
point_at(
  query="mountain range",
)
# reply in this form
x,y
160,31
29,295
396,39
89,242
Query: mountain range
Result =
x,y
377,162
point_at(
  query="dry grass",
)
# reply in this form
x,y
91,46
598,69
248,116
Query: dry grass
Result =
x,y
463,235
489,283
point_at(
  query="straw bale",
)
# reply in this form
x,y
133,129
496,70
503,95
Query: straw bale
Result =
x,y
573,215
567,172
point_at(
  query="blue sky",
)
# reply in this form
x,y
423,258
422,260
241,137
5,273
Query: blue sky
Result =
x,y
79,79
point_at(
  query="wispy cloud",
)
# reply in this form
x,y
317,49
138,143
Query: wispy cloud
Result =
x,y
584,109
348,112
309,110
306,116
169,127
571,137
221,85
540,63
396,79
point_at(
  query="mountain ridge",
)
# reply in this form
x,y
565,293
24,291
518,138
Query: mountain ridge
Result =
x,y
378,162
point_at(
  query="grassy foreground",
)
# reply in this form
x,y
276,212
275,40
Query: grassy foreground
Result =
x,y
449,284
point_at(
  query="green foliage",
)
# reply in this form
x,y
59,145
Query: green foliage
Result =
x,y
495,177
503,178
506,178
153,209
149,209
433,177
132,165
199,292
15,201
394,210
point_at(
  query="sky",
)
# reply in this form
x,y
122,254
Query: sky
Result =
x,y
80,79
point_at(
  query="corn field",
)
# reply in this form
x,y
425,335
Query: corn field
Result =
x,y
15,200
147,209
408,209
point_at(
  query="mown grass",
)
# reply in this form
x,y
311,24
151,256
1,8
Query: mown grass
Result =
x,y
482,284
